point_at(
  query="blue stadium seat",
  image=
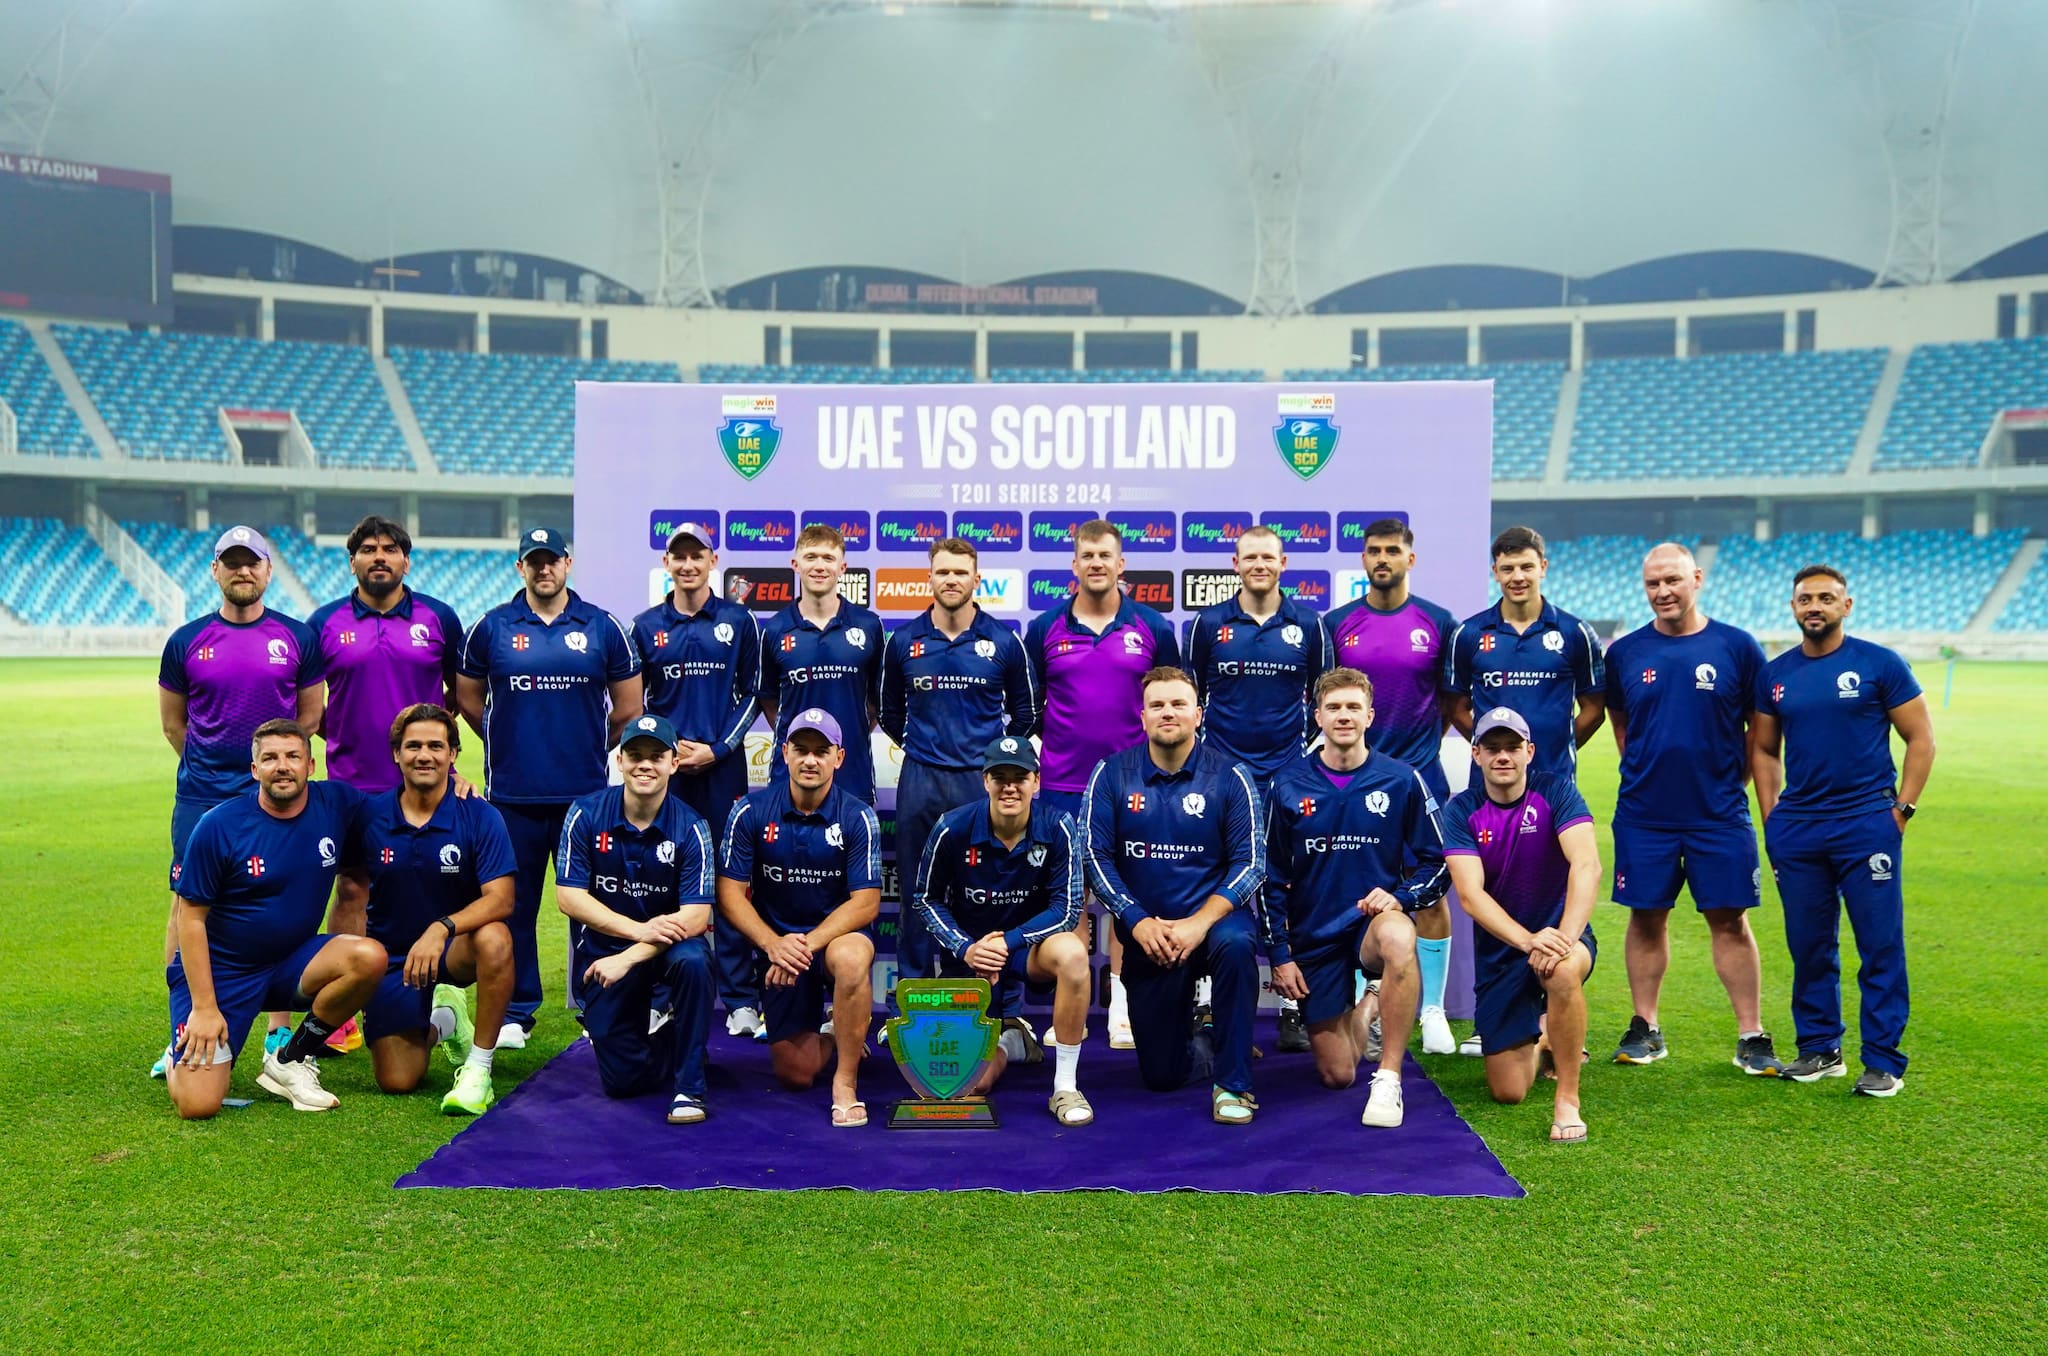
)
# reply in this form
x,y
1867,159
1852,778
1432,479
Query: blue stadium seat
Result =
x,y
1600,579
161,394
505,413
1951,392
55,575
45,424
1910,581
1524,404
2028,608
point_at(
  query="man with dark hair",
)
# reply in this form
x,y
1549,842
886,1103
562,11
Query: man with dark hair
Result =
x,y
1400,640
438,871
1088,660
549,681
385,648
702,657
1679,694
1530,656
1172,836
1835,815
222,675
952,680
253,884
826,652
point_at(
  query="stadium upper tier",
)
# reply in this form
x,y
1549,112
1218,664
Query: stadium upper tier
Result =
x,y
1524,403
44,420
54,575
830,374
1733,414
2028,609
505,413
162,395
1950,394
1912,581
1601,578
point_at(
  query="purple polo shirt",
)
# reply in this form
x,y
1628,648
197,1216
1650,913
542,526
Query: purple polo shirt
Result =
x,y
233,677
377,665
1402,651
1517,844
1089,685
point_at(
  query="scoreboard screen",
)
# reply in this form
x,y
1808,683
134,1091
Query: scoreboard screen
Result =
x,y
84,240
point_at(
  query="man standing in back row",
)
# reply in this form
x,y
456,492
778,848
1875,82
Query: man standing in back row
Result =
x,y
1679,695
823,651
1834,834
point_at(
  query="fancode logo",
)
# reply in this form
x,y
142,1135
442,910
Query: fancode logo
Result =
x,y
759,531
1214,533
902,590
1310,588
1300,531
855,527
1351,526
662,524
1055,531
1153,531
910,531
990,531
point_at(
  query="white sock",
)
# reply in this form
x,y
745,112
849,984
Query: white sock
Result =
x,y
1011,1043
1066,1064
1119,1006
480,1058
443,1022
1289,1005
1203,988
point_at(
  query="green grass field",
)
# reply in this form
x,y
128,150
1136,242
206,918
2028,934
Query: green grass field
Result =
x,y
1709,1213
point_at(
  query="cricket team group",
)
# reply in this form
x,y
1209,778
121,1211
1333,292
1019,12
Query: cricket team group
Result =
x,y
1268,783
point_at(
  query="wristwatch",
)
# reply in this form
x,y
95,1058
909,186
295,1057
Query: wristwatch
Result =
x,y
445,921
1905,808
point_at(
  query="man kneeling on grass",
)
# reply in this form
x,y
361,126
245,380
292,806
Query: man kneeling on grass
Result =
x,y
1522,857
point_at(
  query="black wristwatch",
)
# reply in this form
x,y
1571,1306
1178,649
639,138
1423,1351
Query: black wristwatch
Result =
x,y
1905,808
445,921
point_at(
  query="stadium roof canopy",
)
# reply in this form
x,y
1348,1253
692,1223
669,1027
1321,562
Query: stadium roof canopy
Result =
x,y
1272,152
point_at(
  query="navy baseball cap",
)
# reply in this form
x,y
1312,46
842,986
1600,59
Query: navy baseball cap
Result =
x,y
701,534
1501,718
818,721
1009,751
542,539
648,727
248,538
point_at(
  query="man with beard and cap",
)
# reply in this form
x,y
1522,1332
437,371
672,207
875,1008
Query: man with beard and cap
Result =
x,y
223,675
1835,816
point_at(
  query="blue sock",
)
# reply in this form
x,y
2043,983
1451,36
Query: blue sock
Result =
x,y
1433,957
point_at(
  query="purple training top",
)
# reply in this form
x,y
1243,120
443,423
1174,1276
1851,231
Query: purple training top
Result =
x,y
1517,844
233,677
377,665
1402,652
1089,685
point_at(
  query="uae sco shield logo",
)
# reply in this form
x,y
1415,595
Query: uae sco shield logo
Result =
x,y
1306,442
749,442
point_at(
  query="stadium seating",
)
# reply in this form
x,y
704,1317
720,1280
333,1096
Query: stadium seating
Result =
x,y
1524,404
1731,414
1600,578
505,413
187,557
2028,609
44,421
161,394
1912,581
1110,376
471,581
324,570
54,575
830,374
1951,392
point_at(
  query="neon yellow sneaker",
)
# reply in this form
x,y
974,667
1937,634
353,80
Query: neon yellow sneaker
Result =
x,y
456,1045
472,1094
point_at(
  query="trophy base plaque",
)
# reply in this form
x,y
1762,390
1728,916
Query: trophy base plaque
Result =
x,y
972,1113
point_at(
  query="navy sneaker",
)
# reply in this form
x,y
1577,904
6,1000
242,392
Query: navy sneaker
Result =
x,y
1756,1055
1820,1064
1640,1044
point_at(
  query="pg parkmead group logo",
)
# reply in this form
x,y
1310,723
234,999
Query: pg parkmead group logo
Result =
x,y
1306,436
749,436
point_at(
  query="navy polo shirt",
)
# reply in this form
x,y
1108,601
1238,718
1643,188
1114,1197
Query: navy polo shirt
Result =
x,y
1334,837
801,864
1834,715
1257,680
419,874
1685,702
1159,844
1538,673
702,671
944,699
970,885
264,881
544,717
837,667
637,873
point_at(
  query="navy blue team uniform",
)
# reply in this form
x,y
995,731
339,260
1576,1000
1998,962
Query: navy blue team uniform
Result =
x,y
641,874
1159,844
1526,873
1257,681
969,885
1332,839
837,668
1539,674
418,875
801,866
1833,841
1682,814
702,673
265,883
942,701
545,734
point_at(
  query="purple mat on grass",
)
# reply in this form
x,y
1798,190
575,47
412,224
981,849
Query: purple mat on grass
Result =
x,y
557,1129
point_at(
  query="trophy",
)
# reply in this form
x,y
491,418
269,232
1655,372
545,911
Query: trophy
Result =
x,y
943,1042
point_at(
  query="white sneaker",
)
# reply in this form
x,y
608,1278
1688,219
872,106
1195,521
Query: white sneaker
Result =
x,y
1471,1046
1383,1106
743,1022
1436,1033
511,1036
297,1082
1120,1037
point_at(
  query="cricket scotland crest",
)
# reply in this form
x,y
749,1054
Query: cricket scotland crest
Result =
x,y
943,1043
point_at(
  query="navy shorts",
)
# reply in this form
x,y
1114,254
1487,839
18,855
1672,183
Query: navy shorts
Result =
x,y
1507,997
1009,985
1717,861
1332,975
788,1013
185,815
396,1008
243,993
